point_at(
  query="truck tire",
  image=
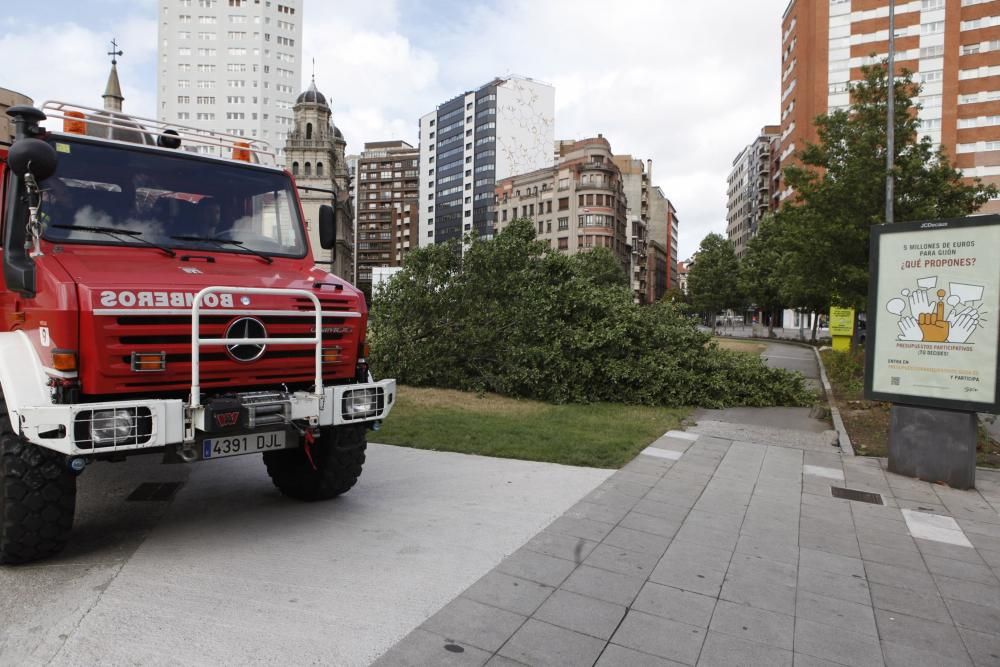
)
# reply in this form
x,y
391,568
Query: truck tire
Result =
x,y
337,457
37,498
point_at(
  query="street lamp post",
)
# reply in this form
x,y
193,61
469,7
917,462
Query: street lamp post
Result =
x,y
890,128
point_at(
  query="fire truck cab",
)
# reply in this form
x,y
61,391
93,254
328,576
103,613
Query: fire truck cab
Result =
x,y
159,295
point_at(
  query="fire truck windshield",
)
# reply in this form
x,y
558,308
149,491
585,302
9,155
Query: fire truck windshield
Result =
x,y
154,198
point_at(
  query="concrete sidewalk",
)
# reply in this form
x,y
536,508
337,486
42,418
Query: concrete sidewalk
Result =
x,y
726,545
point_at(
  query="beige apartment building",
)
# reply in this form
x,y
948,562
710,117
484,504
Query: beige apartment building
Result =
x,y
654,228
749,195
577,204
386,195
952,46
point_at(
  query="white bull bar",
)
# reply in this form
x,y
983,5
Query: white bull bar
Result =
x,y
197,341
172,421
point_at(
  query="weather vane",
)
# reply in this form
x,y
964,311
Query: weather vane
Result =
x,y
314,70
115,52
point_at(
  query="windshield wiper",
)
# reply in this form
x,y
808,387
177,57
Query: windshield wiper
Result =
x,y
221,241
116,233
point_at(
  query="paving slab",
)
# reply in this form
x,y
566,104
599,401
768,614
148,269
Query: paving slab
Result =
x,y
735,552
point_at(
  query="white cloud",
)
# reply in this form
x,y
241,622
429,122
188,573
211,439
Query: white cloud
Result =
x,y
66,61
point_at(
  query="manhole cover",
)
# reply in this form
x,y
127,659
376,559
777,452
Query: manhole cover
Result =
x,y
860,496
155,491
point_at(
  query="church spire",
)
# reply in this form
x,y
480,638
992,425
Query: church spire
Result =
x,y
113,97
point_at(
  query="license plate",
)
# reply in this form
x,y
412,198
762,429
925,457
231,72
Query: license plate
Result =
x,y
235,445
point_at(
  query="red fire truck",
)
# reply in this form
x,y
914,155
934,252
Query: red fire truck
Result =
x,y
160,296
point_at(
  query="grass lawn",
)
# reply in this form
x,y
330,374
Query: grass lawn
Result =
x,y
600,435
750,346
867,422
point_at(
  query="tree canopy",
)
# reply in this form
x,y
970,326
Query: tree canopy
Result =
x,y
712,280
513,317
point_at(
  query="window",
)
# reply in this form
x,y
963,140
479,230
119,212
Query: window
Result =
x,y
564,222
564,201
186,99
564,240
295,165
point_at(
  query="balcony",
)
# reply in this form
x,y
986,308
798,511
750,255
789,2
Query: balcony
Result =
x,y
594,186
606,165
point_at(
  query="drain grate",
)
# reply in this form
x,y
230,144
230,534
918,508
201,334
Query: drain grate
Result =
x,y
155,491
860,496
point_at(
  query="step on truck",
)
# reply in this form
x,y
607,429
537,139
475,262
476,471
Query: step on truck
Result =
x,y
160,297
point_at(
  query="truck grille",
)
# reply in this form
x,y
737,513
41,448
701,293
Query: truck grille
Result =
x,y
118,336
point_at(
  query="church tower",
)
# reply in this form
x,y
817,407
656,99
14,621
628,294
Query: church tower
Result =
x,y
314,151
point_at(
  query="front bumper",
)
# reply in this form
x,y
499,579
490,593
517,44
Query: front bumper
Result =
x,y
159,423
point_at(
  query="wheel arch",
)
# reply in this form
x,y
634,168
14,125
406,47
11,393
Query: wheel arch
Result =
x,y
22,376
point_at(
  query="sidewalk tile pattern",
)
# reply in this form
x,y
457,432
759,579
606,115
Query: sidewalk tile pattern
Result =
x,y
730,549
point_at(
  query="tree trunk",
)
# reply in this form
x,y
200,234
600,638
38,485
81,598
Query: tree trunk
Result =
x,y
770,324
815,317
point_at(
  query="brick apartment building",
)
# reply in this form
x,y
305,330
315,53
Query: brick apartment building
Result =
x,y
386,195
952,46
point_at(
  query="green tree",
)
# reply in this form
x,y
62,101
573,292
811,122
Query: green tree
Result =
x,y
840,189
761,270
519,319
712,281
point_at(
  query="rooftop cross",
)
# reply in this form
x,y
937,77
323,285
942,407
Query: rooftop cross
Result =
x,y
115,52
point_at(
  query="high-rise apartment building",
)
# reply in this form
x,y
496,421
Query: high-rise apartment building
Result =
x,y
654,221
635,183
386,192
230,66
471,142
952,46
749,189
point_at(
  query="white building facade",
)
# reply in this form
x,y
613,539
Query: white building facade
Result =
x,y
469,143
230,66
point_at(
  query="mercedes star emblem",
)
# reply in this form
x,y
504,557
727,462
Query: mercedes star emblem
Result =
x,y
246,328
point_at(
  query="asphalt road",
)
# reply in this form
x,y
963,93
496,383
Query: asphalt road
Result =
x,y
231,573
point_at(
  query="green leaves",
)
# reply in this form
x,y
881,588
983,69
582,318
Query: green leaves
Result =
x,y
515,318
713,279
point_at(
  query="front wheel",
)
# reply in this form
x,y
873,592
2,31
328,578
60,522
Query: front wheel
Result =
x,y
337,457
37,498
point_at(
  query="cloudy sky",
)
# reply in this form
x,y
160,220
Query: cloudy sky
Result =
x,y
684,83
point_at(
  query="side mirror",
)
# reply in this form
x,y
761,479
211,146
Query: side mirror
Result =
x,y
327,227
32,156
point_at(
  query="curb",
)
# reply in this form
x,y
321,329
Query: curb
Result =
x,y
843,439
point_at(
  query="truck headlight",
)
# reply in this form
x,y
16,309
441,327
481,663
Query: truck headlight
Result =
x,y
360,400
111,426
362,403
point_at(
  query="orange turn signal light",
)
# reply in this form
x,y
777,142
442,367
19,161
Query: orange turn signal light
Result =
x,y
331,355
64,360
73,123
149,361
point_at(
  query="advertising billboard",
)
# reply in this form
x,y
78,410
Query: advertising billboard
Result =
x,y
934,301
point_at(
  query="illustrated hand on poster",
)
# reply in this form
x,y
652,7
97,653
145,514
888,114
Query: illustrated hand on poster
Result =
x,y
909,329
934,325
963,327
920,304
